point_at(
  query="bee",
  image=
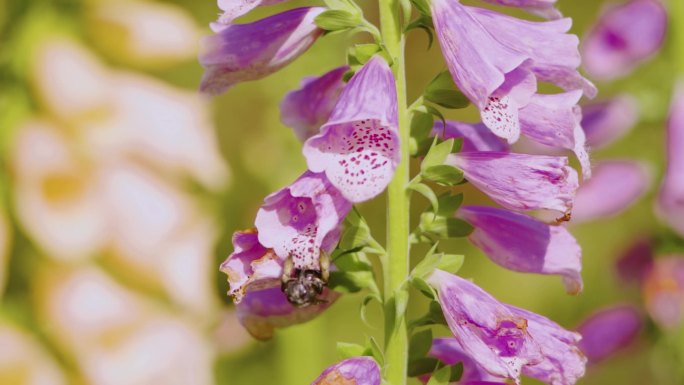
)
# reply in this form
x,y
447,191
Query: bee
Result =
x,y
302,287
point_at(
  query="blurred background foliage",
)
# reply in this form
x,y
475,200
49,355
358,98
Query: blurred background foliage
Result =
x,y
69,319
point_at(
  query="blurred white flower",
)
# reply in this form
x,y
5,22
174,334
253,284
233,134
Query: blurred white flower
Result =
x,y
24,362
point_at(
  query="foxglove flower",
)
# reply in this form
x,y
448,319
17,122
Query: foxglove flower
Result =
x,y
302,219
506,341
608,331
352,371
544,8
491,57
607,121
636,262
554,120
242,52
520,182
358,148
232,9
254,274
521,243
671,199
308,108
476,136
625,36
615,186
263,311
663,291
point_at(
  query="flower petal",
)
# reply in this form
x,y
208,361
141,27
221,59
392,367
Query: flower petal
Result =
x,y
544,8
607,121
518,181
352,371
308,108
671,199
358,148
242,52
663,291
476,136
609,330
232,9
521,243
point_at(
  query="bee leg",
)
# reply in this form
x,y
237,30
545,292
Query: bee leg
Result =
x,y
288,265
325,266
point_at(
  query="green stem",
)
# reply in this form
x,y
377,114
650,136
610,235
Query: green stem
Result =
x,y
677,33
397,267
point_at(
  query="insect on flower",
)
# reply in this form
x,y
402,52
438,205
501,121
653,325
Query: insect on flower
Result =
x,y
303,286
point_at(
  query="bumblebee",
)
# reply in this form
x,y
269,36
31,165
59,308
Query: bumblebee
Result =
x,y
302,287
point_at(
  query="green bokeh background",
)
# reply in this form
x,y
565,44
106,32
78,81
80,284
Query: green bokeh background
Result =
x,y
263,156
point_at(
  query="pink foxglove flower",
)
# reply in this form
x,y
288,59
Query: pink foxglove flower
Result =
x,y
606,121
254,274
615,186
671,199
506,341
358,148
521,243
302,219
308,108
450,352
635,263
520,182
663,291
242,52
476,136
625,36
544,8
608,331
232,9
554,120
263,311
491,57
352,371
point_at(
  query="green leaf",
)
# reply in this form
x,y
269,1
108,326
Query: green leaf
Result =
x,y
443,174
444,227
373,350
347,350
351,281
427,192
456,372
401,298
359,54
442,91
338,20
356,261
448,204
437,154
424,268
450,263
421,132
422,366
422,6
420,344
441,376
355,236
425,23
365,302
434,316
344,5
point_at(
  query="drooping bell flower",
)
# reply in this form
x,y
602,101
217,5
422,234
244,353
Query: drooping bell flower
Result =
x,y
358,148
232,9
506,341
671,198
302,219
520,182
242,52
625,36
476,136
615,186
521,243
450,352
352,371
663,291
543,8
254,274
308,108
635,263
606,121
609,330
554,120
490,55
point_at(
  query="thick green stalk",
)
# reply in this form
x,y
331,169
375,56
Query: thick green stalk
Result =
x,y
677,33
396,267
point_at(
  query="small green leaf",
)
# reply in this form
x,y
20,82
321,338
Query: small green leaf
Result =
x,y
344,5
359,54
422,366
425,267
401,298
427,290
420,344
347,350
448,204
441,376
337,20
422,6
356,261
434,316
443,174
351,281
355,236
437,154
427,192
425,23
442,91
365,302
373,350
450,263
456,372
444,227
